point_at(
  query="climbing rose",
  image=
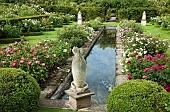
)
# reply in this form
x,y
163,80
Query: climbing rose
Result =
x,y
54,55
15,61
34,59
167,87
4,62
21,62
1,53
154,59
14,64
162,56
154,67
8,50
128,61
43,64
37,62
144,77
8,55
22,58
147,70
29,63
129,76
149,57
15,43
40,43
158,55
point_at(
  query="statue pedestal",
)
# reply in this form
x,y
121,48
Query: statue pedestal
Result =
x,y
79,100
143,23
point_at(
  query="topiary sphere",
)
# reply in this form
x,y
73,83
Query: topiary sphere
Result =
x,y
19,92
138,96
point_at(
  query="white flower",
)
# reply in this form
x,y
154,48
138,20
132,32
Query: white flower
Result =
x,y
65,50
145,52
134,45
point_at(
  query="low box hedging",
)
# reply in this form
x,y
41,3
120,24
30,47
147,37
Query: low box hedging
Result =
x,y
32,33
16,20
9,40
19,91
59,8
136,13
138,96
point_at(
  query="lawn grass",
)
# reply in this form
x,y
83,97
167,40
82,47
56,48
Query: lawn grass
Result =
x,y
110,23
47,35
44,109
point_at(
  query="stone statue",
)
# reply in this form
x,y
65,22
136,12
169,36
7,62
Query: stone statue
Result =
x,y
78,71
79,94
143,21
79,18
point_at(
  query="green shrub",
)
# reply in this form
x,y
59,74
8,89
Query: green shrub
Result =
x,y
10,31
131,24
95,24
26,11
138,96
19,92
136,13
66,19
55,21
75,35
30,25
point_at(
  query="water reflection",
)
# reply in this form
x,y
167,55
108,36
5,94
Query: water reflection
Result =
x,y
107,39
101,67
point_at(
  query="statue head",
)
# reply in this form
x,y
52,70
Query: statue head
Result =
x,y
77,51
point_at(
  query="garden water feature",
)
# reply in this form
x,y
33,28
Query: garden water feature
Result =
x,y
101,66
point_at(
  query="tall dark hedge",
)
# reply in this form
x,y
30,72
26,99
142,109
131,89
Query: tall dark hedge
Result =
x,y
136,13
59,8
92,12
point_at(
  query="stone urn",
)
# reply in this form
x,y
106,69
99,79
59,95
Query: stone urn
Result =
x,y
78,70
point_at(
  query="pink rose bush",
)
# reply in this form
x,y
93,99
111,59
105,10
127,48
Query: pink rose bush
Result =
x,y
144,56
36,60
155,68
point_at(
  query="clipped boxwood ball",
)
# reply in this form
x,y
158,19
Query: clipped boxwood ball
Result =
x,y
19,92
138,96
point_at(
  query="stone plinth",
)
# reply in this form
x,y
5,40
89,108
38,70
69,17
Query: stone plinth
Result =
x,y
79,100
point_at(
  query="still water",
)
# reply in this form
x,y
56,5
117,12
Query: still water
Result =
x,y
101,67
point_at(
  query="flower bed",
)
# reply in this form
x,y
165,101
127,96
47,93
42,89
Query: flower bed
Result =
x,y
144,57
36,60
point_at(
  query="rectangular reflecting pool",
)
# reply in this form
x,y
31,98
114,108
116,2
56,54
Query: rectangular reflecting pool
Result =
x,y
101,66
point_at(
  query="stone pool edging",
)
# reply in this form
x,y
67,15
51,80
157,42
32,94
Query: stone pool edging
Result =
x,y
120,77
